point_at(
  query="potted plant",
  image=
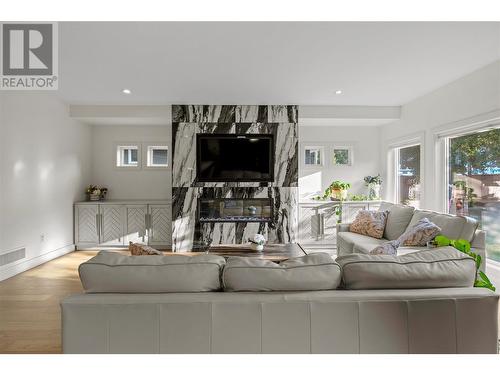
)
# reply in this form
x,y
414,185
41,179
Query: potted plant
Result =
x,y
338,190
96,193
482,281
373,183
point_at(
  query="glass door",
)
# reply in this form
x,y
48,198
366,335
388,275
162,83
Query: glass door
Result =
x,y
473,180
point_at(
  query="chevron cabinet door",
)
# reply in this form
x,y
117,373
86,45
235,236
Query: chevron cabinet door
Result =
x,y
160,225
112,224
86,225
136,228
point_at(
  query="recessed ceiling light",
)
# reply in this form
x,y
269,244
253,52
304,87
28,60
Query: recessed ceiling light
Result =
x,y
338,92
126,91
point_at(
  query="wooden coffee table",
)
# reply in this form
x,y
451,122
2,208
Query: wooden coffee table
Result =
x,y
274,252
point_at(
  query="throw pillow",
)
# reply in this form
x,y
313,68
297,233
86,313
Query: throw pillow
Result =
x,y
421,233
140,249
418,235
369,223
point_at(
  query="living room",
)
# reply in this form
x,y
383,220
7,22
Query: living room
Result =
x,y
250,187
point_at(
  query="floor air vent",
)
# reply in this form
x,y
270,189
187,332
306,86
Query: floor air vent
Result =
x,y
12,256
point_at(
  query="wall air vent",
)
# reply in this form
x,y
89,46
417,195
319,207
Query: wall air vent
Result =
x,y
12,256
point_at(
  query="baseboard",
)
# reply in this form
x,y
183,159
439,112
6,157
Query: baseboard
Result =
x,y
16,269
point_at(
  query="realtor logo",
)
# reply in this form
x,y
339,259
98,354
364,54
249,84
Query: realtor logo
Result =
x,y
28,56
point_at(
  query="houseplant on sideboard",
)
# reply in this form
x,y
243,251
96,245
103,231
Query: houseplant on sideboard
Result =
x,y
96,193
373,183
337,190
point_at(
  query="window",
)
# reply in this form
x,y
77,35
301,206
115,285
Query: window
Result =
x,y
127,156
342,156
408,186
313,156
473,181
157,156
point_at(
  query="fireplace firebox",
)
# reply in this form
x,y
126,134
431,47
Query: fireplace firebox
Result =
x,y
235,210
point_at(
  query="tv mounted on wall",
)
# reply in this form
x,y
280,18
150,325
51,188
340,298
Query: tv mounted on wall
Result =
x,y
235,157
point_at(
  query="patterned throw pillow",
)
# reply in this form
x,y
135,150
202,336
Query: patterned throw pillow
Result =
x,y
369,223
139,249
421,233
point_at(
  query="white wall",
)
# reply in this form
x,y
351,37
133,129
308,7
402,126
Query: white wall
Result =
x,y
125,183
472,96
44,163
366,160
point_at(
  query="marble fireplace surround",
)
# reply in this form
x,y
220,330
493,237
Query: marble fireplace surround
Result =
x,y
188,120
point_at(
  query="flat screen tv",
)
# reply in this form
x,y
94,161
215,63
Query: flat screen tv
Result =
x,y
235,157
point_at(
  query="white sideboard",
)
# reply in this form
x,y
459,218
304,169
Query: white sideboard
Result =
x,y
114,223
318,220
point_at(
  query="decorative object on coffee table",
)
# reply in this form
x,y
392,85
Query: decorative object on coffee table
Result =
x,y
96,193
258,242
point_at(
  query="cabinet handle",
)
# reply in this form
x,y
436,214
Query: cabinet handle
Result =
x,y
98,230
150,226
102,226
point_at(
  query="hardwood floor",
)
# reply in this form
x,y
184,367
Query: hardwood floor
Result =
x,y
30,318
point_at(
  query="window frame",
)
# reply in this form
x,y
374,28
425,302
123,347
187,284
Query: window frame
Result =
x,y
397,185
118,149
393,146
311,146
441,135
350,155
148,155
443,146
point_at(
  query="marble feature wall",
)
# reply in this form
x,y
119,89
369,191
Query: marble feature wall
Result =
x,y
188,233
189,120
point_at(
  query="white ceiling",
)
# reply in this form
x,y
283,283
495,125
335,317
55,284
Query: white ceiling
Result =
x,y
375,64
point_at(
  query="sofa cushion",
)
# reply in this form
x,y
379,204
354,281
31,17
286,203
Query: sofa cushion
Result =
x,y
369,223
110,272
438,268
452,226
348,243
397,220
469,230
315,271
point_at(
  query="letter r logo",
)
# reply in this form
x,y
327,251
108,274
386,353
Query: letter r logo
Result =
x,y
27,49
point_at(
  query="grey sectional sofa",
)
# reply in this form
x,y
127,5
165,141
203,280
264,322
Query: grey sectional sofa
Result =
x,y
399,219
203,304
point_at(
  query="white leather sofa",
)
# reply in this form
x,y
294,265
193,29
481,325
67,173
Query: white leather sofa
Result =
x,y
399,219
203,304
